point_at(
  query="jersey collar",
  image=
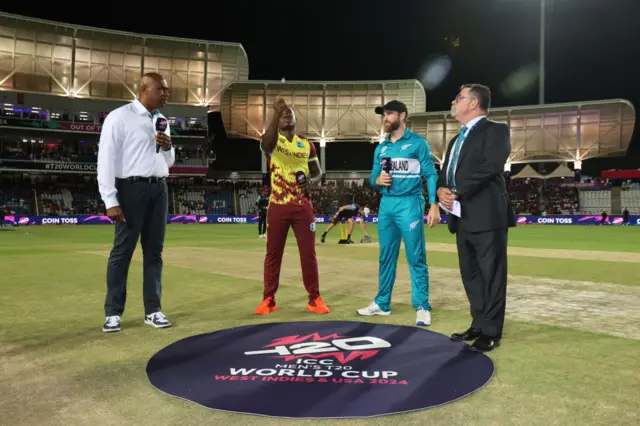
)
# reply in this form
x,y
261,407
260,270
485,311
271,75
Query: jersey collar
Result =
x,y
406,135
140,109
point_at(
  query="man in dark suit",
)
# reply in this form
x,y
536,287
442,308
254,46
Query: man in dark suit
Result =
x,y
472,175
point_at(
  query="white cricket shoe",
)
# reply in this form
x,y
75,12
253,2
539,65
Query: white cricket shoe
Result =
x,y
111,324
157,319
372,309
423,317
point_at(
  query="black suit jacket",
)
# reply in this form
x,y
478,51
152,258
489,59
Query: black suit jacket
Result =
x,y
479,179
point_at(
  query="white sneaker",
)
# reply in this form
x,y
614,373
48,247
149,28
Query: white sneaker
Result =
x,y
423,317
158,320
111,324
372,309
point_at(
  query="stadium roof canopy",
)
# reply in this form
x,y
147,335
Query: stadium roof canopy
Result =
x,y
54,58
545,133
325,111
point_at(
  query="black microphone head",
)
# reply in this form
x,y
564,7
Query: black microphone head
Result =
x,y
301,178
385,163
161,124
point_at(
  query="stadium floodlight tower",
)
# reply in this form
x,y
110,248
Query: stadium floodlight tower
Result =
x,y
543,7
541,63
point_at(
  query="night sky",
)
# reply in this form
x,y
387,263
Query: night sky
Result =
x,y
592,46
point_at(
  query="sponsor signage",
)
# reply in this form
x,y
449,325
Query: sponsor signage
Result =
x,y
253,219
319,369
84,167
65,126
575,220
69,126
48,166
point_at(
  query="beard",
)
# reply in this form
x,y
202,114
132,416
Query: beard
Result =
x,y
390,127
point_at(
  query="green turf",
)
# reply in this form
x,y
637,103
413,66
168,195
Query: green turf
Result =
x,y
577,237
59,368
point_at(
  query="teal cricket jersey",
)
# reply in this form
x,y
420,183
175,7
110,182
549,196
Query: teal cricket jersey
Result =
x,y
411,159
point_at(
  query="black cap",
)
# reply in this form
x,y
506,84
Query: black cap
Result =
x,y
396,106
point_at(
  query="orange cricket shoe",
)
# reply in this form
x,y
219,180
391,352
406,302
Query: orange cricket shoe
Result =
x,y
318,306
267,306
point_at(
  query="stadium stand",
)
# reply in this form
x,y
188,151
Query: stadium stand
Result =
x,y
216,200
54,117
16,199
542,197
56,201
595,201
187,155
247,198
630,198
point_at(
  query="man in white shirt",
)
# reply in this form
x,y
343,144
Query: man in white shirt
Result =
x,y
134,157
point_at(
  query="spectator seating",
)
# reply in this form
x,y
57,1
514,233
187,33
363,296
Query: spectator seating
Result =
x,y
247,199
16,199
88,202
190,202
74,194
630,199
594,202
201,202
219,202
56,202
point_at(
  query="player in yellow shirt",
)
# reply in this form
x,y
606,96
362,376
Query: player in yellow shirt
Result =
x,y
293,166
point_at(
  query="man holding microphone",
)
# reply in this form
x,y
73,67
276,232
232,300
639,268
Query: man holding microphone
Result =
x,y
399,163
134,157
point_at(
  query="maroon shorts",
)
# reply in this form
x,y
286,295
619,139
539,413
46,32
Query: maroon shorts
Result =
x,y
302,219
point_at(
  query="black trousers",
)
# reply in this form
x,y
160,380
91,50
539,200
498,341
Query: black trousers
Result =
x,y
145,207
483,267
262,222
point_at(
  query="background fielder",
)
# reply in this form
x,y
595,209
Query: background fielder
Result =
x,y
262,203
347,212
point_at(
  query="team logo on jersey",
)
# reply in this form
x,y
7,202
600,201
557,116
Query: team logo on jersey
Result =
x,y
312,227
300,144
405,147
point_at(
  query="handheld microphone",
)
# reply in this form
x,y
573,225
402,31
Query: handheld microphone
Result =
x,y
385,164
301,178
161,126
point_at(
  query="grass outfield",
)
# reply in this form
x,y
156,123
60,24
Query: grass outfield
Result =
x,y
569,354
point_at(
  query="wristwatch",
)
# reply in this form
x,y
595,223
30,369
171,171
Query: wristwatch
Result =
x,y
454,191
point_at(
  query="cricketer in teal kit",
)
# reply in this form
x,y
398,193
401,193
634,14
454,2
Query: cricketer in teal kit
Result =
x,y
401,213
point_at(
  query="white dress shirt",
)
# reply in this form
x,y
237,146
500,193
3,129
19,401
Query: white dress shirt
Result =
x,y
127,148
468,126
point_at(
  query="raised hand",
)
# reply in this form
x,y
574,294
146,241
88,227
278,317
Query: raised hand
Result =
x,y
279,105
